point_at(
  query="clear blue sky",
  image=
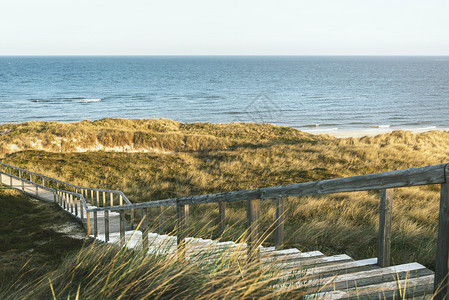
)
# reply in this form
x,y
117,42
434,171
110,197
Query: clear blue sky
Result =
x,y
209,27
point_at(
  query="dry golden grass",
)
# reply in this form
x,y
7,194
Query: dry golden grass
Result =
x,y
175,159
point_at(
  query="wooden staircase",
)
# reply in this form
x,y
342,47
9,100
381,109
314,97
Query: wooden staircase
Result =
x,y
320,276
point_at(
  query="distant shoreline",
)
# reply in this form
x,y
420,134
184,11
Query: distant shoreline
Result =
x,y
358,133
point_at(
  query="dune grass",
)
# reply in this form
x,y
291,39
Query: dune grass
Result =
x,y
32,238
157,159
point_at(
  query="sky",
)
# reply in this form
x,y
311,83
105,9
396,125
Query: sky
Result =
x,y
230,27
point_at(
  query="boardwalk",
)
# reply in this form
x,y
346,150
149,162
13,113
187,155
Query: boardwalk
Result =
x,y
332,277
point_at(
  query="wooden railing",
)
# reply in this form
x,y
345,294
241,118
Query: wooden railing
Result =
x,y
385,182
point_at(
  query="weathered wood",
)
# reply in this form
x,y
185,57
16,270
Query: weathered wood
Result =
x,y
253,223
122,228
121,199
104,199
402,178
385,213
280,220
92,197
106,225
161,219
131,218
95,224
98,199
181,228
112,199
43,181
10,177
145,229
442,256
221,217
81,209
88,222
76,205
71,203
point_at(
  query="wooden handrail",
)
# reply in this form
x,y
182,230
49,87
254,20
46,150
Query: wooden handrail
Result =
x,y
385,181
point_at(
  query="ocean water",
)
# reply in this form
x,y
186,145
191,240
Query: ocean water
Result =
x,y
308,93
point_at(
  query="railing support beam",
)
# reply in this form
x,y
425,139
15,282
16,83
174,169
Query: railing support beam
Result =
x,y
442,260
385,214
253,223
280,220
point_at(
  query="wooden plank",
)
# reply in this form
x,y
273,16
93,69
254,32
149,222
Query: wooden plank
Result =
x,y
280,220
415,288
121,199
76,205
104,199
98,199
385,213
161,219
402,178
145,229
106,225
112,199
365,278
88,222
221,217
81,209
253,224
442,255
92,197
122,228
95,224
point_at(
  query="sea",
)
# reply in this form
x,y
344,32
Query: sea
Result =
x,y
310,93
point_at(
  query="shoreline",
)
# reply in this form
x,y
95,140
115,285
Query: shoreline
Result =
x,y
358,133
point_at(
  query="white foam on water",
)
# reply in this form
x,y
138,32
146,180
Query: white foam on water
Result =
x,y
88,100
380,126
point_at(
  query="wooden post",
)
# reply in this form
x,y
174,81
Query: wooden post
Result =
x,y
88,222
221,217
280,220
145,229
37,190
92,197
31,178
253,214
181,229
131,219
81,209
122,228
104,199
76,205
161,219
442,259
106,225
384,243
43,181
121,199
71,203
112,199
95,224
98,198
10,176
63,199
23,185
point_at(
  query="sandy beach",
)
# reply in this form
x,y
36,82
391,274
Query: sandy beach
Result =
x,y
357,133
